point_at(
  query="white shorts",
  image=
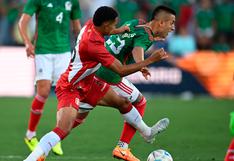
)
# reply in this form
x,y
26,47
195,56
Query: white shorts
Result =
x,y
125,89
51,66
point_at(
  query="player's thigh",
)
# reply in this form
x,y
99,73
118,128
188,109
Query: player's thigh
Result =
x,y
68,105
126,89
112,99
96,92
61,63
43,67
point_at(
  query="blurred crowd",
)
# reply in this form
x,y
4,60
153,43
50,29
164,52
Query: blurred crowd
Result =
x,y
201,24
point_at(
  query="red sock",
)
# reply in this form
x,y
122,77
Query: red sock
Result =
x,y
230,152
36,111
77,123
62,134
129,131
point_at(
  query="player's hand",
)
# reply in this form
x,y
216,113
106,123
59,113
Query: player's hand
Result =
x,y
125,28
158,55
30,50
145,72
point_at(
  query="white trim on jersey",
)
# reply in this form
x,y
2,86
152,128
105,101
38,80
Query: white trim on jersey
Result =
x,y
76,64
88,72
75,67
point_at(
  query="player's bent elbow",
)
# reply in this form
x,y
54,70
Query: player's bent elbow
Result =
x,y
121,72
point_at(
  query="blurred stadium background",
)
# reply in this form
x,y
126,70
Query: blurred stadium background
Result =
x,y
194,88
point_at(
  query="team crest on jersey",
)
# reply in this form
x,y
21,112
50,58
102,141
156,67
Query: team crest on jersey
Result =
x,y
68,5
50,5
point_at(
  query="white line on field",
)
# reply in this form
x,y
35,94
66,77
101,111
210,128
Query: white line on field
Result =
x,y
12,157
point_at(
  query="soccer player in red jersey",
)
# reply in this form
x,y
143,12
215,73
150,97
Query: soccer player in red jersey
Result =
x,y
77,87
129,47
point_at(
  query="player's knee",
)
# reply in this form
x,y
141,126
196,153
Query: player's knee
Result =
x,y
43,92
66,118
124,106
123,102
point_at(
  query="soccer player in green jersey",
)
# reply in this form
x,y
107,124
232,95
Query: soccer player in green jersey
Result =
x,y
51,50
129,47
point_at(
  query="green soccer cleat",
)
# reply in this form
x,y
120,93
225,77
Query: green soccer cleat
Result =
x,y
57,149
31,143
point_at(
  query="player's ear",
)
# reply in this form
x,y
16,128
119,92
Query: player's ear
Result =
x,y
104,24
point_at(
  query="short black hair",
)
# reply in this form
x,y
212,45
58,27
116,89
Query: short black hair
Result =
x,y
103,14
160,8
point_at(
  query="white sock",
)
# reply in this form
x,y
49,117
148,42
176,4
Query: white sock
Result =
x,y
122,145
44,146
30,134
134,118
37,152
48,141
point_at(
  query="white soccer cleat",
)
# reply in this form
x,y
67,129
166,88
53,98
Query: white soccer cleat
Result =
x,y
159,127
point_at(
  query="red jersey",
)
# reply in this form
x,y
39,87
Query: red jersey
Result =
x,y
90,53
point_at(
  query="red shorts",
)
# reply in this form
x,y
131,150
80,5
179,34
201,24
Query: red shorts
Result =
x,y
72,97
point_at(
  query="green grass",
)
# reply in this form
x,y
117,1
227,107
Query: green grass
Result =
x,y
198,130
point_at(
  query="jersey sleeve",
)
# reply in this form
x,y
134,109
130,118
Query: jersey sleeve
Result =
x,y
101,54
142,40
31,7
76,12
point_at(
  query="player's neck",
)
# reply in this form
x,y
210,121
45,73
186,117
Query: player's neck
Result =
x,y
100,31
149,25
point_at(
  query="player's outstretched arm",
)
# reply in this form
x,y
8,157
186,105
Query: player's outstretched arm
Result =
x,y
124,70
120,30
23,25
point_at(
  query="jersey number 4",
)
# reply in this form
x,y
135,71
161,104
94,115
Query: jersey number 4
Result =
x,y
59,17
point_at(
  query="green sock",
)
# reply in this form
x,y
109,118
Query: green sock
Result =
x,y
232,123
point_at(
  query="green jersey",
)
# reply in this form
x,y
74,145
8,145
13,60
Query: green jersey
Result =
x,y
53,23
121,46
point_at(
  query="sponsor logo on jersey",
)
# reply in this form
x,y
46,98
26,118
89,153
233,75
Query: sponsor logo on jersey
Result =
x,y
68,5
128,35
50,5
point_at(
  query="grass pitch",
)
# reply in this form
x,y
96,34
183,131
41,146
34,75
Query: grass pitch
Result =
x,y
198,130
